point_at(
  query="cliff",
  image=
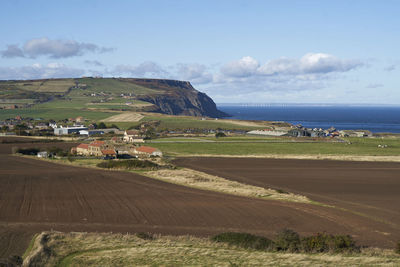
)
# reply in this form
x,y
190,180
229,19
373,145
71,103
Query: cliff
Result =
x,y
179,98
167,96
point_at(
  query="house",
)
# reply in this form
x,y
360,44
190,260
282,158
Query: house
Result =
x,y
95,148
131,135
109,153
79,119
42,154
82,149
147,151
41,126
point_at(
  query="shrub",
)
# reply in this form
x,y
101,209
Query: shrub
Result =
x,y
57,151
128,164
28,151
145,236
323,242
287,240
244,240
220,134
343,243
315,243
397,249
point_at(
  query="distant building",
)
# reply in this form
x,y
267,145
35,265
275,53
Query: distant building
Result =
x,y
109,153
82,149
268,132
69,130
95,148
131,135
42,154
148,151
90,132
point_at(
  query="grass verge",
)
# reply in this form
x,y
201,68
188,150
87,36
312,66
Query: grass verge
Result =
x,y
100,249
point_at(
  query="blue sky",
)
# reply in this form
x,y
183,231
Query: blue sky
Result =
x,y
235,51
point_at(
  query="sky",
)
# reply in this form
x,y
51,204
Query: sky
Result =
x,y
340,52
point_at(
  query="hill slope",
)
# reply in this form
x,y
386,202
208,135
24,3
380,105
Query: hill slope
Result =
x,y
105,94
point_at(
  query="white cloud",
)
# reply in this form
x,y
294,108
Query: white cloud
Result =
x,y
374,85
195,73
38,71
243,67
148,68
12,51
390,68
311,63
52,48
93,63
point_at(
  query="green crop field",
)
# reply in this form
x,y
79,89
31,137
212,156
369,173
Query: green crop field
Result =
x,y
358,146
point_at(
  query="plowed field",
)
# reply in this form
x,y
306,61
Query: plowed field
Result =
x,y
371,189
37,195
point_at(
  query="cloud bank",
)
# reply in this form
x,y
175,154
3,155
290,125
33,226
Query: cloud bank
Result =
x,y
311,63
52,48
38,71
241,79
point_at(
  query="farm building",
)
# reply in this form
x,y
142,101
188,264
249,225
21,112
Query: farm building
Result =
x,y
82,149
109,153
95,148
148,151
42,154
90,132
133,136
69,130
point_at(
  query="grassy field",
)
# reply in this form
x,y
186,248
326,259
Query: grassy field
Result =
x,y
52,85
186,122
56,114
358,146
95,249
114,86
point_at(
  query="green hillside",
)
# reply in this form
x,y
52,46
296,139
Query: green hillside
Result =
x,y
93,98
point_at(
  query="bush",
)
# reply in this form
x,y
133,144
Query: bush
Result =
x,y
128,164
287,240
244,240
28,151
397,249
57,151
220,134
145,236
343,243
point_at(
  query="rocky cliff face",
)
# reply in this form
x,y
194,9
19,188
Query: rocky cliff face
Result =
x,y
179,98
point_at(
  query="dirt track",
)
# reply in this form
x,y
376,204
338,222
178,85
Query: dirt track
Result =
x,y
37,195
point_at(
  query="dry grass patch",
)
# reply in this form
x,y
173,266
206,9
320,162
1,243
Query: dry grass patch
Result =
x,y
201,180
125,117
94,249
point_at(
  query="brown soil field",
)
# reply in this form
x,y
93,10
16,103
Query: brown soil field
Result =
x,y
38,195
370,189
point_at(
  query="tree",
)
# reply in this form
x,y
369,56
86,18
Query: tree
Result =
x,y
101,125
220,134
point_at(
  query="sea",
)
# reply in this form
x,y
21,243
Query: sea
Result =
x,y
377,119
